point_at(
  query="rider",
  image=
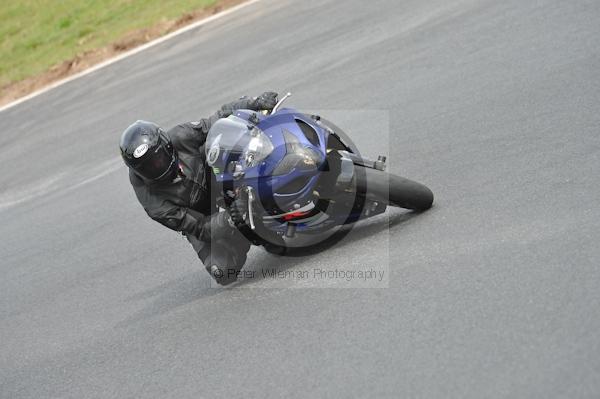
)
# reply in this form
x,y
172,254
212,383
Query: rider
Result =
x,y
171,180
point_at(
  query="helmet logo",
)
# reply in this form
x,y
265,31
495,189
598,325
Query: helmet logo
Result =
x,y
213,155
141,150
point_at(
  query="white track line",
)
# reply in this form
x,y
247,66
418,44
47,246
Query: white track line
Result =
x,y
129,53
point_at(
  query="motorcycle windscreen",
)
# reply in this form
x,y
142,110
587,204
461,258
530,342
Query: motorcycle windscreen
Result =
x,y
226,136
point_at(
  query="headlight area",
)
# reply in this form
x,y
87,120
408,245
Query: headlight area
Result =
x,y
258,148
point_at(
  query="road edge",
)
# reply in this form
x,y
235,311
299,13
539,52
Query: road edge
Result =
x,y
126,54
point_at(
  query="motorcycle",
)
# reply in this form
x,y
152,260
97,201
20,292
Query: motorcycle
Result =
x,y
300,176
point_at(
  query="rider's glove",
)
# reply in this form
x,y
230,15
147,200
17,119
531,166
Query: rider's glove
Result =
x,y
238,210
265,101
218,226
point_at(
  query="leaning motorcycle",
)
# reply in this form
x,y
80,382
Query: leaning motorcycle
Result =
x,y
301,177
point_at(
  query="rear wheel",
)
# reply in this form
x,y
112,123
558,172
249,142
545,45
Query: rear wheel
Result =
x,y
392,189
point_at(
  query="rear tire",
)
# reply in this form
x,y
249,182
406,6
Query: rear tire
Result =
x,y
393,190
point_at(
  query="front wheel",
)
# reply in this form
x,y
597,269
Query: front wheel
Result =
x,y
392,189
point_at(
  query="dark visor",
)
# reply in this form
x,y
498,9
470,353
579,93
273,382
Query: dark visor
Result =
x,y
156,163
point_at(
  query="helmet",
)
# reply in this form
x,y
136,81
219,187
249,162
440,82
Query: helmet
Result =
x,y
148,151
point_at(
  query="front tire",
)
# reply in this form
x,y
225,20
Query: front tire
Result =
x,y
393,190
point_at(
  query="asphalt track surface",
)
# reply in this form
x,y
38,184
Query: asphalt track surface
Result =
x,y
492,293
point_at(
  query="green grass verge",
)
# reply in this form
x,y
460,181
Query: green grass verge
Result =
x,y
37,34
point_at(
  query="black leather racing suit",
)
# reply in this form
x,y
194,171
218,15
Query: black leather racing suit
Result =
x,y
185,203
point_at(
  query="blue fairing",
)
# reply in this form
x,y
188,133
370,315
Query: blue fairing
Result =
x,y
283,187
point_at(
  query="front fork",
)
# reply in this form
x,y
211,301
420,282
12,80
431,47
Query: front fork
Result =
x,y
251,228
250,214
